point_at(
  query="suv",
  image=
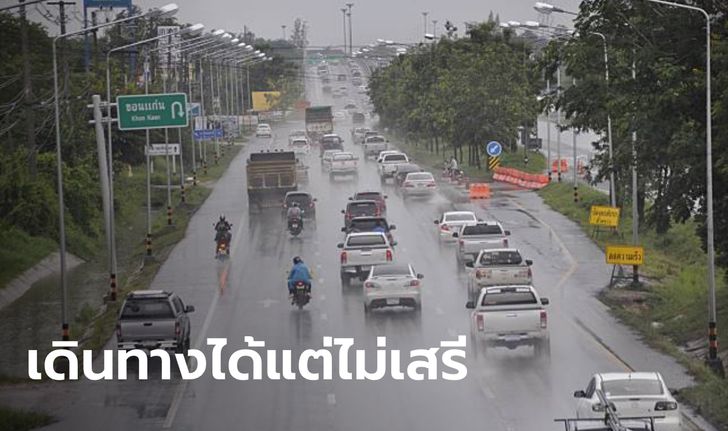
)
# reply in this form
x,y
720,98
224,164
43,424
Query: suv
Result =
x,y
379,197
263,129
401,173
360,209
154,319
305,201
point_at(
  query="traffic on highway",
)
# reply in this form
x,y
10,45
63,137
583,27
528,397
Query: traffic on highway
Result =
x,y
334,275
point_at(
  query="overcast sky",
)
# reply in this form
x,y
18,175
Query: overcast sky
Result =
x,y
398,20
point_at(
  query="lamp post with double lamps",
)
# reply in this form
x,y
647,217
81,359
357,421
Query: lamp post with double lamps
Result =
x,y
163,11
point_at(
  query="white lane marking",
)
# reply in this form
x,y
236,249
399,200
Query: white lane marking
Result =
x,y
321,280
322,298
202,335
317,253
268,302
324,316
439,311
331,399
318,265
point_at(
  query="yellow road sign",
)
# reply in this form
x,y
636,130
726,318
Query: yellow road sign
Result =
x,y
493,162
625,255
604,216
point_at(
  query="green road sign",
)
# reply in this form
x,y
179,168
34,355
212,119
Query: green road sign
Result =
x,y
152,111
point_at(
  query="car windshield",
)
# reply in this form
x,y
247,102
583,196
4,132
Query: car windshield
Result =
x,y
509,257
420,177
375,139
300,143
631,387
483,229
147,308
366,240
390,270
300,199
395,158
343,156
363,208
366,225
509,296
460,217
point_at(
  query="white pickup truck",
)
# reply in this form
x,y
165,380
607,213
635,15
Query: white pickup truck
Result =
x,y
473,237
497,267
511,317
388,163
360,251
343,163
373,145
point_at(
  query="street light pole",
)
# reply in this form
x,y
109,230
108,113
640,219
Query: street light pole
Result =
x,y
351,40
343,15
713,361
612,186
424,21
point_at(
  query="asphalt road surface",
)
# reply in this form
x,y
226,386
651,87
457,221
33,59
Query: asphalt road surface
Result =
x,y
246,296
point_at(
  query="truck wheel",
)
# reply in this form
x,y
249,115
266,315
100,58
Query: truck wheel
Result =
x,y
344,279
366,309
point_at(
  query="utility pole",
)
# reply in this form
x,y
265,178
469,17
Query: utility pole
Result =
x,y
28,98
434,29
635,197
424,20
283,27
343,14
558,124
351,41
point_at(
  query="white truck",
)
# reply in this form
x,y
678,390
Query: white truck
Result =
x,y
343,163
511,317
388,165
473,237
373,145
497,267
360,251
154,319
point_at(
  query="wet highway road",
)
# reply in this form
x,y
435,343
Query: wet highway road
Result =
x,y
246,296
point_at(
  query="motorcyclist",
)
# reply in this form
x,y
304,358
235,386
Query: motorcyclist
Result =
x,y
295,213
222,231
299,272
453,166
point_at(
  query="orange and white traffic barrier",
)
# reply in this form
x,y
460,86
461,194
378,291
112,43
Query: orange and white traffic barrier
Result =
x,y
479,191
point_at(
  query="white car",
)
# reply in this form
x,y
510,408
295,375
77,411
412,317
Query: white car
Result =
x,y
327,157
300,146
418,184
263,130
392,285
384,153
637,394
451,221
297,134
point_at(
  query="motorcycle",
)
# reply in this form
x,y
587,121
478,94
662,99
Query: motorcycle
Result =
x,y
222,248
300,294
295,226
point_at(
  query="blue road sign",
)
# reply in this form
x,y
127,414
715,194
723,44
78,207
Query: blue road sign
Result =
x,y
206,134
494,149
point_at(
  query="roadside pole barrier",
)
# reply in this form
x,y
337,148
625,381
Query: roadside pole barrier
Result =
x,y
169,215
182,192
113,287
148,244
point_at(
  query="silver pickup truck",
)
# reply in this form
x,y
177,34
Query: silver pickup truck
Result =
x,y
473,237
497,267
360,251
511,317
373,145
154,319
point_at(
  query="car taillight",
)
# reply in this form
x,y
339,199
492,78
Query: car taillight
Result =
x,y
597,408
461,243
543,319
310,205
343,257
431,184
369,285
408,184
415,283
118,331
177,329
662,406
478,274
481,322
389,255
529,273
505,242
445,227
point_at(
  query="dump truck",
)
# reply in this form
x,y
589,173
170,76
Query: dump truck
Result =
x,y
271,174
319,121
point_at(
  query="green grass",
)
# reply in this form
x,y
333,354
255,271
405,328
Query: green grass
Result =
x,y
434,161
20,251
22,420
675,292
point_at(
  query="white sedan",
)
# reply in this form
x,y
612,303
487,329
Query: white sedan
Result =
x,y
326,159
263,130
300,146
638,394
451,221
418,184
392,285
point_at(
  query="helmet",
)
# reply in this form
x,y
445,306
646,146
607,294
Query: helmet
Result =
x,y
297,260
